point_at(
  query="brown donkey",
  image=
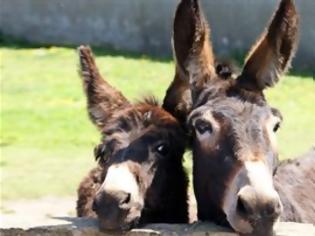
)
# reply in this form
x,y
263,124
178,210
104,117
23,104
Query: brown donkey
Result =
x,y
232,126
140,178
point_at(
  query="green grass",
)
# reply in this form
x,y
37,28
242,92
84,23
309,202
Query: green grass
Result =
x,y
47,139
295,98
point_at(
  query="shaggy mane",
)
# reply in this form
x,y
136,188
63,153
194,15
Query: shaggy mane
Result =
x,y
149,100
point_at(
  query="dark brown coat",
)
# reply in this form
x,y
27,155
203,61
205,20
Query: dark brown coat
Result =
x,y
232,126
140,178
295,183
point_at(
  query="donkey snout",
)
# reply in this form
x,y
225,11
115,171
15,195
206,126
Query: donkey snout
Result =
x,y
258,206
116,199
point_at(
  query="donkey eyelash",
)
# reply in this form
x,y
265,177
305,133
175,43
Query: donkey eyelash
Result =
x,y
276,127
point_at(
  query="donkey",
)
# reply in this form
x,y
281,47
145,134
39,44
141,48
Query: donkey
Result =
x,y
140,178
295,182
232,127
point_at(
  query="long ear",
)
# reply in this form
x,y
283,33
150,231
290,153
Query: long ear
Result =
x,y
193,52
177,99
272,54
102,99
194,58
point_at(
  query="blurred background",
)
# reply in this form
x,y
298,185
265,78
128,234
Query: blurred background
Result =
x,y
47,140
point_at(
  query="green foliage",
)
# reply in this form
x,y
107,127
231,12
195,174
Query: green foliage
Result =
x,y
47,139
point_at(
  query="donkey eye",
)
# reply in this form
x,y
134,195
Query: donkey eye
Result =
x,y
162,149
203,126
276,127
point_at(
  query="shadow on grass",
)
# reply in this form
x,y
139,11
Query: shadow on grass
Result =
x,y
104,50
236,58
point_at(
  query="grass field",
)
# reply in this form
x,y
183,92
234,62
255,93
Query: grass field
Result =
x,y
47,139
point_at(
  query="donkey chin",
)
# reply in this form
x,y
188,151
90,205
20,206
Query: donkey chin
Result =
x,y
251,204
124,223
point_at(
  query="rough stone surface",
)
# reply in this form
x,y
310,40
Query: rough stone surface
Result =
x,y
88,227
48,210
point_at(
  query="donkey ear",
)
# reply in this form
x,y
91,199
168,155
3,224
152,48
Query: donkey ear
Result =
x,y
272,54
177,99
193,52
102,99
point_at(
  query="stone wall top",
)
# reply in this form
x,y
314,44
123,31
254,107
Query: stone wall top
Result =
x,y
88,227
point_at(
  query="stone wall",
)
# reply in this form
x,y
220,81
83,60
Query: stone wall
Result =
x,y
88,227
145,25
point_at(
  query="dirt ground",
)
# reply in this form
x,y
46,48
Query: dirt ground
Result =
x,y
44,211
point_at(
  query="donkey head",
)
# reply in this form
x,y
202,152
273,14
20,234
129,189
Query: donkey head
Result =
x,y
141,156
232,126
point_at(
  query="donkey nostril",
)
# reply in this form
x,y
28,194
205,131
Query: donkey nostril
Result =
x,y
240,206
269,209
273,208
243,207
126,198
94,206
